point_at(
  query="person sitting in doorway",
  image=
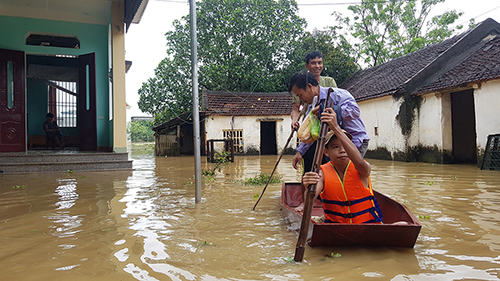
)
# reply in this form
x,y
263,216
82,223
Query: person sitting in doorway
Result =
x,y
53,132
344,183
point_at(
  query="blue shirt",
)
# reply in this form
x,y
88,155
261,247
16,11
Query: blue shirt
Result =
x,y
351,119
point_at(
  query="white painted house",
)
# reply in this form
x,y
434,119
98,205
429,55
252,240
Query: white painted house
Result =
x,y
258,123
438,104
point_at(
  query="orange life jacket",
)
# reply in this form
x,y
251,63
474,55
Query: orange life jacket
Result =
x,y
348,201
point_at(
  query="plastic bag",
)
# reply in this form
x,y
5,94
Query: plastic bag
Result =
x,y
309,130
314,126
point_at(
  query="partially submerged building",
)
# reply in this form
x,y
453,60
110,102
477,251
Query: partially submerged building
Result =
x,y
67,58
438,104
258,123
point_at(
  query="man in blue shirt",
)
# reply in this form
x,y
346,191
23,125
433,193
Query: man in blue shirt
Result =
x,y
304,85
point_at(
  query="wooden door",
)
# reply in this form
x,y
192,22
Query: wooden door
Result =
x,y
12,101
87,119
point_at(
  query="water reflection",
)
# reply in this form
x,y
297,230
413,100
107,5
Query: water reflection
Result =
x,y
145,225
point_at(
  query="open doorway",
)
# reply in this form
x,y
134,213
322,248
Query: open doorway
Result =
x,y
463,127
268,138
51,87
54,84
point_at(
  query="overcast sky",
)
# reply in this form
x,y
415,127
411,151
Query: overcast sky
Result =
x,y
145,42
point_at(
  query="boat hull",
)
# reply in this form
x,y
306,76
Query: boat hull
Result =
x,y
400,228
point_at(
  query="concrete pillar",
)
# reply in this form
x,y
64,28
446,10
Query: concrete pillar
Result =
x,y
119,103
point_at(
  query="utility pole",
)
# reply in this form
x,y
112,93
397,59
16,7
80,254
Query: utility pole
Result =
x,y
196,113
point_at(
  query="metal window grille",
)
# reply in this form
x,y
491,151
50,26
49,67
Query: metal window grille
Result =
x,y
237,136
491,158
62,102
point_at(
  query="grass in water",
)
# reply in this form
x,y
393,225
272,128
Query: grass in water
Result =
x,y
261,179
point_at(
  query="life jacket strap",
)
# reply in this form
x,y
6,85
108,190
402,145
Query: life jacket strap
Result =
x,y
347,203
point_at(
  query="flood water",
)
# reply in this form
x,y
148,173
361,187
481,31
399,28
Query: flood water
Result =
x,y
145,225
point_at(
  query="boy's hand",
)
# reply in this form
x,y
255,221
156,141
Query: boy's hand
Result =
x,y
330,117
310,178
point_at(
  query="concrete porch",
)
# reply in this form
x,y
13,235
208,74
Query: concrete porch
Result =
x,y
39,161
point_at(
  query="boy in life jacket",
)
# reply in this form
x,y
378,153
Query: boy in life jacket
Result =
x,y
344,183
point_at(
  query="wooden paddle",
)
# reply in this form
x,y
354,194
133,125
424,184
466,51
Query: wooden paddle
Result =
x,y
276,165
311,190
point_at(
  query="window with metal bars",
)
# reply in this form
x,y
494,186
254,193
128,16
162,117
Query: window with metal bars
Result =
x,y
62,102
237,136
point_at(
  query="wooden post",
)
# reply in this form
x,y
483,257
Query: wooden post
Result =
x,y
311,190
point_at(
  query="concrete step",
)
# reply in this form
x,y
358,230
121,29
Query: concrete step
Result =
x,y
13,158
42,167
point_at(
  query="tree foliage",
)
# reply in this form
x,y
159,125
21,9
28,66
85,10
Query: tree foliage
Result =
x,y
388,29
140,131
243,45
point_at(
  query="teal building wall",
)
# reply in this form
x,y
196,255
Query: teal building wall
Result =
x,y
93,39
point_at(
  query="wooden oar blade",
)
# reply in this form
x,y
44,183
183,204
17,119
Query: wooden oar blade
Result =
x,y
300,248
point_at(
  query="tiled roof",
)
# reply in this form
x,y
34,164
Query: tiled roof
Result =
x,y
246,104
462,59
482,65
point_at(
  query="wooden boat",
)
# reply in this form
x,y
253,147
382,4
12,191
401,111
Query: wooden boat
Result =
x,y
400,228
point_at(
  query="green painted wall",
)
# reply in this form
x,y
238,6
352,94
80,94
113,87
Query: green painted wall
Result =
x,y
93,39
36,106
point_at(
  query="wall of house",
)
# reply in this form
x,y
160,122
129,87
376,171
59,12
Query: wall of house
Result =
x,y
430,135
36,113
214,126
379,116
486,101
93,38
431,138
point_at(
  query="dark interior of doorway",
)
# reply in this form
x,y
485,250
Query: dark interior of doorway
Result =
x,y
268,138
463,127
47,75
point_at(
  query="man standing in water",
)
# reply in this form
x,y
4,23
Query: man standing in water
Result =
x,y
314,64
304,85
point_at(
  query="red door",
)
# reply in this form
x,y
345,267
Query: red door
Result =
x,y
87,119
12,101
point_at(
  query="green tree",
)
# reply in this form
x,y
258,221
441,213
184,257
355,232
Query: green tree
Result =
x,y
140,131
244,45
388,29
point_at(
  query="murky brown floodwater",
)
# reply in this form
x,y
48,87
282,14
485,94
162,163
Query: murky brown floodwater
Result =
x,y
145,225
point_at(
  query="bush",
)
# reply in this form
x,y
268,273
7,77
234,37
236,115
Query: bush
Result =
x,y
140,131
261,179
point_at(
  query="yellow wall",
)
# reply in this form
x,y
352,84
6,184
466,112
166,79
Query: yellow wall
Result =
x,y
119,104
